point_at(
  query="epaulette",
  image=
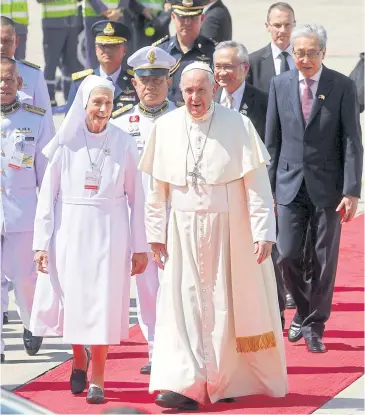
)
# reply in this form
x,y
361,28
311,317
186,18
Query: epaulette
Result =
x,y
82,74
215,43
158,42
130,72
117,113
34,109
32,65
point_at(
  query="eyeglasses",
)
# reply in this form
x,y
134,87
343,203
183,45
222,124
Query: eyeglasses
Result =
x,y
310,55
226,68
278,26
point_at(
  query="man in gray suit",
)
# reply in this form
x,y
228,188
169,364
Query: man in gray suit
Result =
x,y
313,135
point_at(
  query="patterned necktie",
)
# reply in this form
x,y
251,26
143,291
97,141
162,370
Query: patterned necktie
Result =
x,y
284,66
307,99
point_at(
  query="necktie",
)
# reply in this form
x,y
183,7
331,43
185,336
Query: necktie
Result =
x,y
109,78
284,66
307,99
228,101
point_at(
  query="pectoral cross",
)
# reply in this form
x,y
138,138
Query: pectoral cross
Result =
x,y
195,175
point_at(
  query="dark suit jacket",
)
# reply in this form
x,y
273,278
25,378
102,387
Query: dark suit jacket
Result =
x,y
256,102
217,23
124,90
327,153
262,68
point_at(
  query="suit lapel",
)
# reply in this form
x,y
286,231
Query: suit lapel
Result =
x,y
268,67
324,88
120,81
294,95
218,95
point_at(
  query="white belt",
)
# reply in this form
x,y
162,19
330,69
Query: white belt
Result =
x,y
211,199
97,201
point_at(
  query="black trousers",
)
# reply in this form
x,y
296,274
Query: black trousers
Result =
x,y
313,295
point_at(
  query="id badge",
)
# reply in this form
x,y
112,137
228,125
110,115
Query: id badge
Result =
x,y
28,161
16,160
140,144
92,179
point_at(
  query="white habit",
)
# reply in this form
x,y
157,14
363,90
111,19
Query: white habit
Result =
x,y
210,239
89,237
139,125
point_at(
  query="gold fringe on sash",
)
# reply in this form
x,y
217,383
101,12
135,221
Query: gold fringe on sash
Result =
x,y
255,343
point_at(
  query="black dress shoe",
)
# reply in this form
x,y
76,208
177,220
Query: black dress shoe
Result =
x,y
78,379
2,358
289,301
5,318
315,345
176,401
95,395
32,344
295,332
146,369
227,400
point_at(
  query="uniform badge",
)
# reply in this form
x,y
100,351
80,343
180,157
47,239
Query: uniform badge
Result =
x,y
24,86
23,130
128,91
152,57
109,31
126,98
188,3
133,127
321,97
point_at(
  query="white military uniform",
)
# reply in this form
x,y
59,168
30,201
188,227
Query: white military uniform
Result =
x,y
24,133
35,92
138,122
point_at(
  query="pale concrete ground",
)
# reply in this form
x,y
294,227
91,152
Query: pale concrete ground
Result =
x,y
344,22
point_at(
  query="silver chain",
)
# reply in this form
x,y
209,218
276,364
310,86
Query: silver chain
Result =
x,y
93,165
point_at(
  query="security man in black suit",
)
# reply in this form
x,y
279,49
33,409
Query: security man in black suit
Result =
x,y
188,45
110,44
276,57
217,22
231,64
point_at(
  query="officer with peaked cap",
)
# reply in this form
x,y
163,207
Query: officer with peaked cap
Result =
x,y
188,45
151,77
111,46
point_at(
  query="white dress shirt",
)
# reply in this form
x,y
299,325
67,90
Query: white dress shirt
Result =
x,y
236,97
208,6
314,85
114,75
276,52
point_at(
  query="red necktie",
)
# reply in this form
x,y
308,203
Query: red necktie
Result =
x,y
307,99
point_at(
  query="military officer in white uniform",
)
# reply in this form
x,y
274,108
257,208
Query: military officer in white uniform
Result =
x,y
33,91
24,133
151,77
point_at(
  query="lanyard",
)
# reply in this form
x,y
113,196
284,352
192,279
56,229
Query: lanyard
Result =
x,y
94,165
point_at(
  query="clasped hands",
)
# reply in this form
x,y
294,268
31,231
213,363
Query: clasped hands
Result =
x,y
113,14
262,249
139,262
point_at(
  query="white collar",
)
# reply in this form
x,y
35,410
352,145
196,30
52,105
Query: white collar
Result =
x,y
276,51
206,8
237,94
315,77
114,75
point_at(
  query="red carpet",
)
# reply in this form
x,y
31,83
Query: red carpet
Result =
x,y
313,379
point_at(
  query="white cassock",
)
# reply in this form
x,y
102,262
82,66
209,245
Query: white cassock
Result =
x,y
212,286
147,283
89,237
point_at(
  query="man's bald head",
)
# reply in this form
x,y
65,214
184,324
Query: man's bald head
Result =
x,y
11,82
198,88
9,40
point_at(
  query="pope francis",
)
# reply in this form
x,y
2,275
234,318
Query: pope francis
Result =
x,y
218,330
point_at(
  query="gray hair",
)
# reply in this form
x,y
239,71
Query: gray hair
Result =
x,y
310,30
241,50
210,76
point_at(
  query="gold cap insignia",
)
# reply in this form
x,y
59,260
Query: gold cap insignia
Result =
x,y
109,31
188,3
152,57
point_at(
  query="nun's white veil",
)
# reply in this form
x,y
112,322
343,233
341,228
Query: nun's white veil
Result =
x,y
76,116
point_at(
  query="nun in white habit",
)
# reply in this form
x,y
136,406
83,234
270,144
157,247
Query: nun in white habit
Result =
x,y
83,236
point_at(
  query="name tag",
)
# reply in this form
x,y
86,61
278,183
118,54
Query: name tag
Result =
x,y
92,180
16,160
28,161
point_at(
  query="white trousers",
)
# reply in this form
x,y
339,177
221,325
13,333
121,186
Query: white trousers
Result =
x,y
146,295
18,267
